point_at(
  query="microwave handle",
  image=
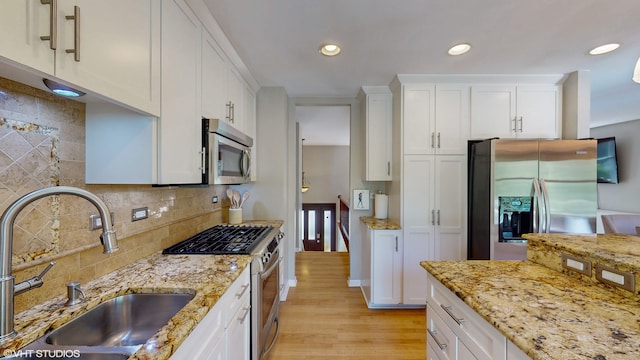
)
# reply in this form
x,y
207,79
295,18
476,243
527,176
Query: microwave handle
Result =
x,y
203,160
245,163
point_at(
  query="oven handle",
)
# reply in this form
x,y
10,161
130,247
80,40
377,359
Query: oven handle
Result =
x,y
275,337
266,272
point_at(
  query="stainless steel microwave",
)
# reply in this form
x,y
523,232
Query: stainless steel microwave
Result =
x,y
227,153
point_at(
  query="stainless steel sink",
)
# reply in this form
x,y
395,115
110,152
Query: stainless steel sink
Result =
x,y
126,320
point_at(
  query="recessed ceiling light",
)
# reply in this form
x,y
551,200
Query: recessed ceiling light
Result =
x,y
62,90
330,49
603,49
459,49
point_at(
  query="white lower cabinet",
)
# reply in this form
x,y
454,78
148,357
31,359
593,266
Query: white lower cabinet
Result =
x,y
225,332
453,325
381,267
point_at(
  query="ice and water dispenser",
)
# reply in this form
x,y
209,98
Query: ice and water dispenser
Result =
x,y
516,217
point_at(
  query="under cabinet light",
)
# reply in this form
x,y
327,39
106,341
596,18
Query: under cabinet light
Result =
x,y
62,90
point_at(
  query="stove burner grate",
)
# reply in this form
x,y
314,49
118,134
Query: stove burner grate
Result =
x,y
220,240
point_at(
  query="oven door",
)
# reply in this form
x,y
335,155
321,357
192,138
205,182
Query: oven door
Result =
x,y
268,305
229,162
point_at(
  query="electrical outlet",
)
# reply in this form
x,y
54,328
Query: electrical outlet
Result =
x,y
139,213
95,223
214,199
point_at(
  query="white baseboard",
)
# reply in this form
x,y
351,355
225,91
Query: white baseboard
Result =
x,y
354,283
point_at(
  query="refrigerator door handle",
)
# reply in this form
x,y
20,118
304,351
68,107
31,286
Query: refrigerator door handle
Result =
x,y
547,206
537,217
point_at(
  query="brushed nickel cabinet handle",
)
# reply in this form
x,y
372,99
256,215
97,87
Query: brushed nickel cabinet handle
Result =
x,y
433,217
396,244
76,33
520,123
229,112
433,334
514,128
388,167
53,23
433,140
438,216
438,140
449,311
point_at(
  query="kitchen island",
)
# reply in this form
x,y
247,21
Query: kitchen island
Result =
x,y
550,312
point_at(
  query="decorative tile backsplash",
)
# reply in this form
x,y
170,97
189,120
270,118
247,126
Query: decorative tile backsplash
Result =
x,y
42,143
28,160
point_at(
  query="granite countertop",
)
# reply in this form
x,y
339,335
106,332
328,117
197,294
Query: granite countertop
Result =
x,y
547,312
206,277
379,224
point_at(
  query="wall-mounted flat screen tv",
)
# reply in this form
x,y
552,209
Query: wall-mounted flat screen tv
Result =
x,y
607,161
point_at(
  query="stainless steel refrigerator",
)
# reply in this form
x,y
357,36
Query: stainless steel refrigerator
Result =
x,y
523,186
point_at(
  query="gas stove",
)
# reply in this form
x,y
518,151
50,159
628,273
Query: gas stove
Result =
x,y
221,240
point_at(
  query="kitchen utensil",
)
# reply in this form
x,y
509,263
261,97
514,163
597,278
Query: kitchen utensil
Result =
x,y
230,196
245,196
236,199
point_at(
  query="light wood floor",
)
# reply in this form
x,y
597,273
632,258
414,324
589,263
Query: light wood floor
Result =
x,y
325,319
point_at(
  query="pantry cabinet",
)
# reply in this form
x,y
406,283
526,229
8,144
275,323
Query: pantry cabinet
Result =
x,y
110,48
516,111
434,209
435,118
376,112
381,267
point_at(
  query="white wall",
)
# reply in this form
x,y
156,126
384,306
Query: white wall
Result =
x,y
623,196
326,169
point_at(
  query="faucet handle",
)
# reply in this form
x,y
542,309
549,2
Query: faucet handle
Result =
x,y
34,282
46,270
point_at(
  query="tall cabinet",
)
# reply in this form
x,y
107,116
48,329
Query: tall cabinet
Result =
x,y
430,125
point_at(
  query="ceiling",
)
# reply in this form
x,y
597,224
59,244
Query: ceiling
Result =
x,y
278,41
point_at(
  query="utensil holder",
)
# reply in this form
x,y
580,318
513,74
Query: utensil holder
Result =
x,y
235,216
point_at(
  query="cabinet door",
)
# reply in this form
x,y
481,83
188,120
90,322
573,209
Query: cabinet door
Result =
x,y
419,135
493,111
377,115
234,95
452,119
386,267
538,112
119,50
180,135
214,79
450,205
22,22
249,122
418,215
441,338
238,334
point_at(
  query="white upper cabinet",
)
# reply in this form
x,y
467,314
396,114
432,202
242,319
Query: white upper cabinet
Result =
x,y
452,119
436,118
214,78
510,111
22,23
225,95
376,110
110,48
180,128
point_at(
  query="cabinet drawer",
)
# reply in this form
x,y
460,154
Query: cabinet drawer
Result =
x,y
482,339
440,337
237,295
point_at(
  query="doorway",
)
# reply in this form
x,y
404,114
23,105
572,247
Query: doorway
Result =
x,y
319,227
